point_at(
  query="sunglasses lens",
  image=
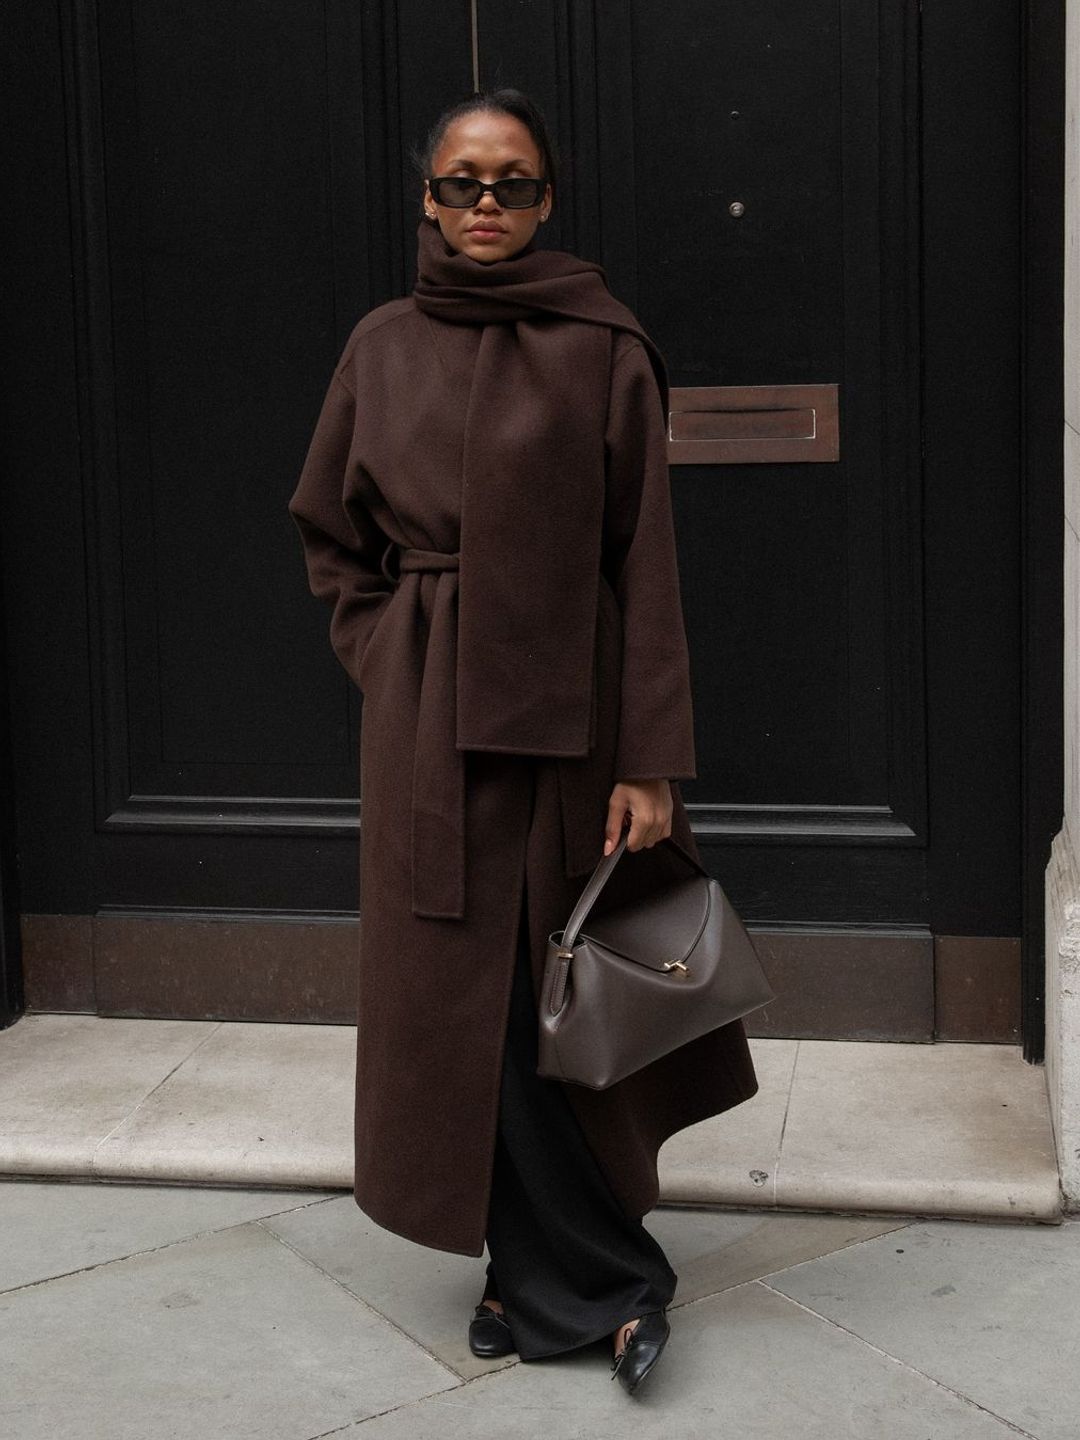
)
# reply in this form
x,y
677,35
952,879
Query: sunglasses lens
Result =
x,y
517,193
460,191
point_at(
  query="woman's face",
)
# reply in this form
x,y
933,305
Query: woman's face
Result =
x,y
487,145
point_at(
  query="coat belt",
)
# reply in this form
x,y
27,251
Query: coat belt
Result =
x,y
437,801
437,819
410,559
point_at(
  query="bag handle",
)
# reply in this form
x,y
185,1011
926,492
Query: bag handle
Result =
x,y
599,878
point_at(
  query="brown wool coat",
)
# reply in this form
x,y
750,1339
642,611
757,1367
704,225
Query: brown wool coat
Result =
x,y
382,477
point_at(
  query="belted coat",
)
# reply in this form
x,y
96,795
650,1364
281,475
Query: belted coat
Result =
x,y
455,841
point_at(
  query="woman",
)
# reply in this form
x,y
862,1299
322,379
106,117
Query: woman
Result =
x,y
485,504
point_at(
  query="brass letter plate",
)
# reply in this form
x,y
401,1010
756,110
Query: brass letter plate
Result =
x,y
750,424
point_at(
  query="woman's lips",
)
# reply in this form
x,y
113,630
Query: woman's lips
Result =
x,y
485,232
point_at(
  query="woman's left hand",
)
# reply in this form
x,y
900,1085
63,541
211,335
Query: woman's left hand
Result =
x,y
649,805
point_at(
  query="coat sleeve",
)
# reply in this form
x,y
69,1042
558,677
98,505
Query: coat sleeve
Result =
x,y
656,724
343,545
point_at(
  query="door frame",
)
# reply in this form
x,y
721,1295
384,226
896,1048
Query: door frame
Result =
x,y
12,998
1042,482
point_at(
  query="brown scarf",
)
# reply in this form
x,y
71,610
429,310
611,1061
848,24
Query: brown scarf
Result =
x,y
532,486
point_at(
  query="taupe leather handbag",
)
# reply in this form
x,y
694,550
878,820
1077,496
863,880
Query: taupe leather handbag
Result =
x,y
645,977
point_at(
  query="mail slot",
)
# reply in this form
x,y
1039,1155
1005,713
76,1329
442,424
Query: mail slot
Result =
x,y
753,424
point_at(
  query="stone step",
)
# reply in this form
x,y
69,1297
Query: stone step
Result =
x,y
862,1127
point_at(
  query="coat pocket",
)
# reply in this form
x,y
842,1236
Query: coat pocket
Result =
x,y
364,672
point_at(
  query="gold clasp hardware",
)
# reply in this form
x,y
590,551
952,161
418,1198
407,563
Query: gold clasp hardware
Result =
x,y
676,965
564,954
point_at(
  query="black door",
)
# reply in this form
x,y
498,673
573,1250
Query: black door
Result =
x,y
814,209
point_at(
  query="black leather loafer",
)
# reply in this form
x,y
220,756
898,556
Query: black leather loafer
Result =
x,y
489,1334
642,1350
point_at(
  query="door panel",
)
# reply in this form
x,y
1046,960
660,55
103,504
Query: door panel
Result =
x,y
750,177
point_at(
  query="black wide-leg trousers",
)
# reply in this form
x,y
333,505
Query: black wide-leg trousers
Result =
x,y
567,1263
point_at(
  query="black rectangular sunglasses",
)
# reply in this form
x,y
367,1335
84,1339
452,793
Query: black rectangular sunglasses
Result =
x,y
513,192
